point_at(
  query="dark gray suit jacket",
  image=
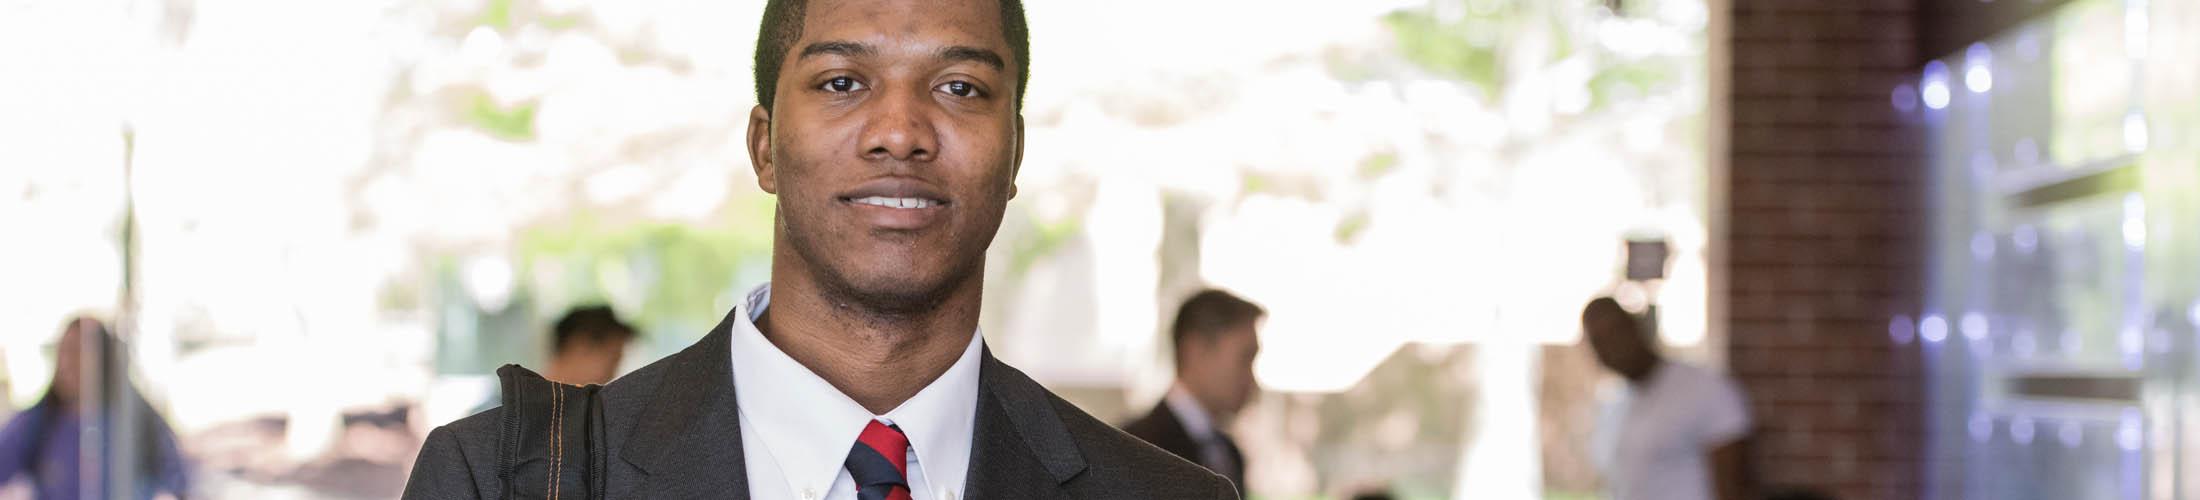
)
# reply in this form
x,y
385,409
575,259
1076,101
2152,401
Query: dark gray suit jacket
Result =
x,y
1163,429
671,431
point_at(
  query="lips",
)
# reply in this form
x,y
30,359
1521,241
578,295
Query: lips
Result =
x,y
897,203
895,192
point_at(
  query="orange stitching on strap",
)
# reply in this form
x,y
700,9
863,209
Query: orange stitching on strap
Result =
x,y
557,435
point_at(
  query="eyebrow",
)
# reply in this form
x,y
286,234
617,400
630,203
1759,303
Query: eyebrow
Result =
x,y
955,53
973,54
838,48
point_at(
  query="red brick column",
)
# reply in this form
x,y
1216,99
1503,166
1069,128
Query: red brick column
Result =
x,y
1823,221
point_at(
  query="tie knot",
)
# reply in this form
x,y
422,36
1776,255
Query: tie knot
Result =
x,y
879,462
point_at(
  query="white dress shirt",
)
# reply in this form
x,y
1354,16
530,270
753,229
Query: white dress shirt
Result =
x,y
1212,453
796,429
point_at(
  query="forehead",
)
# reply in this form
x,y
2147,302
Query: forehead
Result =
x,y
913,24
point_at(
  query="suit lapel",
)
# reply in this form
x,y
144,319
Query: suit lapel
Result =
x,y
1001,466
688,439
1020,448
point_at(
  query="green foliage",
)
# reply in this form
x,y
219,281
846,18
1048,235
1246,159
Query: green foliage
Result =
x,y
1622,82
1350,227
680,270
1250,182
1472,48
1375,165
1461,50
498,14
514,124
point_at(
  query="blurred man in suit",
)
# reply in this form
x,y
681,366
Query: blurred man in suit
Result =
x,y
1215,340
890,132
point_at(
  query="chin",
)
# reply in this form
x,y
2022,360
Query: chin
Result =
x,y
892,294
888,277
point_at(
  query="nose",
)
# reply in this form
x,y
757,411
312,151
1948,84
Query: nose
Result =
x,y
900,128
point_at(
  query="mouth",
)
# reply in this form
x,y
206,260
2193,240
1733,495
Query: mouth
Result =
x,y
896,203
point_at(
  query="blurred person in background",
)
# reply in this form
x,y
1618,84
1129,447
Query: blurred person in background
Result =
x,y
890,132
91,390
1215,341
1680,427
586,346
1374,494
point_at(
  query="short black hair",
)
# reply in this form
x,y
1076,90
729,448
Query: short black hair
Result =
x,y
782,26
1209,313
1607,307
594,323
1603,307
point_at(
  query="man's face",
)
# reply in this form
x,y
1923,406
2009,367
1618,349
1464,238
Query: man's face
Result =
x,y
1223,367
893,145
596,361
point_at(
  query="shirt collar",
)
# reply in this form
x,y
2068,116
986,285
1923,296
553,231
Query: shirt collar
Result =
x,y
1190,413
810,425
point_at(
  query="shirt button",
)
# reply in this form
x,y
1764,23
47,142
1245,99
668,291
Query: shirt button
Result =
x,y
946,494
809,494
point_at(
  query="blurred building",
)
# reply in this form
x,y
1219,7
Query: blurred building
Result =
x,y
1957,236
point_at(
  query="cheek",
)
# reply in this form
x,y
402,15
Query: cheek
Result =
x,y
798,171
989,148
801,163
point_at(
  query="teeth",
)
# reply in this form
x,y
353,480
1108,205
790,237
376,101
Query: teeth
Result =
x,y
895,202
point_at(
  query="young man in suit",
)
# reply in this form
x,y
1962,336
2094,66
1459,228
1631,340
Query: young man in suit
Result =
x,y
1216,342
891,132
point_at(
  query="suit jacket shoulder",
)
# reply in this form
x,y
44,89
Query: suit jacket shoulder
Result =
x,y
1161,429
1088,458
458,460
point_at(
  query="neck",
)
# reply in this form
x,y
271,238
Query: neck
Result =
x,y
878,362
1204,401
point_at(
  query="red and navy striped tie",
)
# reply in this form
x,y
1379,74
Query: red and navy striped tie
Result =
x,y
879,462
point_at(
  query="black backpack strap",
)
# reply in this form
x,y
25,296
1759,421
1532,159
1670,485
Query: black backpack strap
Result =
x,y
595,475
552,438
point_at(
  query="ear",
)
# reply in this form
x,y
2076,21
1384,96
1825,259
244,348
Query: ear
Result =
x,y
1016,164
760,149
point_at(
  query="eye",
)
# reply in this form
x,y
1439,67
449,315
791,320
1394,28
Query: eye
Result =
x,y
960,88
841,84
